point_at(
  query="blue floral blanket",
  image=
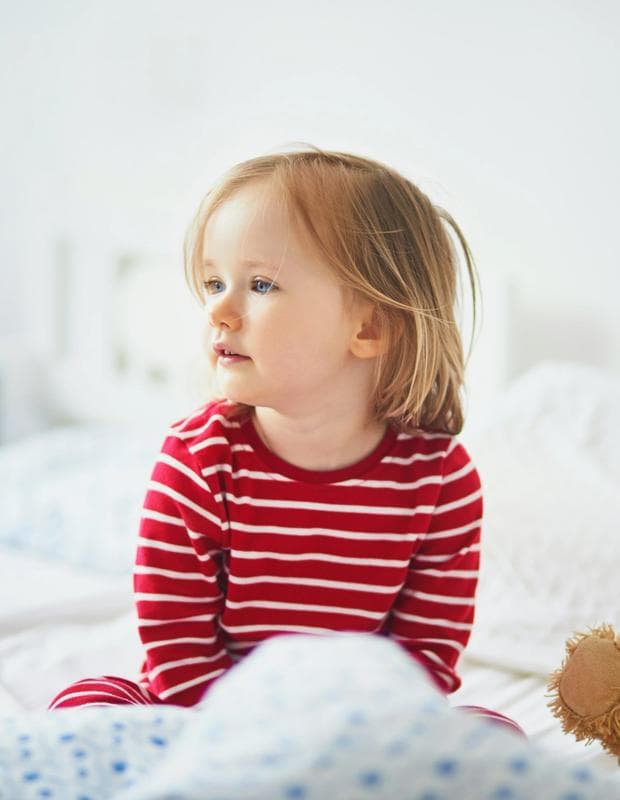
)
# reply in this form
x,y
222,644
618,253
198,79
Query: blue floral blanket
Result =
x,y
342,717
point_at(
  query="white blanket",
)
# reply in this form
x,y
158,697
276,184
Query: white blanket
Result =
x,y
347,717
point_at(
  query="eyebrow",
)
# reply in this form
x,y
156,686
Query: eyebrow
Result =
x,y
246,262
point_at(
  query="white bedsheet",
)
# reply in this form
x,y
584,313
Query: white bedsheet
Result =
x,y
354,719
60,623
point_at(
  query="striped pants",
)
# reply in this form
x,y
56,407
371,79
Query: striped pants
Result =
x,y
109,690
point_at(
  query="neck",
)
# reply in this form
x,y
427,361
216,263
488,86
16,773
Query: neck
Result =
x,y
322,441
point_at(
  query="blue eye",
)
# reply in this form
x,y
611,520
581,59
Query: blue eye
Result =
x,y
263,287
210,286
259,285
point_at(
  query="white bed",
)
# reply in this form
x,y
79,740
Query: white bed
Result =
x,y
548,451
551,511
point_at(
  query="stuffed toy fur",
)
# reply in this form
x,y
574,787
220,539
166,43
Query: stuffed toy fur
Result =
x,y
585,691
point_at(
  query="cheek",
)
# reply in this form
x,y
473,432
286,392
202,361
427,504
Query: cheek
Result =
x,y
306,333
315,356
317,320
208,347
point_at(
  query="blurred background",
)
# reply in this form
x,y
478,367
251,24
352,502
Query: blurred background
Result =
x,y
117,116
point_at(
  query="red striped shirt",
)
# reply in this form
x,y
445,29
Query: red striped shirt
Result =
x,y
236,545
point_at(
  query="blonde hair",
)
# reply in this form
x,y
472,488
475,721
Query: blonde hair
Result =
x,y
386,242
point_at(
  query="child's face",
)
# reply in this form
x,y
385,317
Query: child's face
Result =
x,y
287,315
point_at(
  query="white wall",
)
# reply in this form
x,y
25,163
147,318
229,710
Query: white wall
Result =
x,y
116,116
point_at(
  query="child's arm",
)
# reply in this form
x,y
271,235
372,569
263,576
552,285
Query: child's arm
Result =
x,y
177,592
433,614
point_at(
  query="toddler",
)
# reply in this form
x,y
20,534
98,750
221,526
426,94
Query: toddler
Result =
x,y
325,489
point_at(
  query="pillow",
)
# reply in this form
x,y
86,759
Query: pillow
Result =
x,y
75,494
549,461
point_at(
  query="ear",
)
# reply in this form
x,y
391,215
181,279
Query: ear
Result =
x,y
368,340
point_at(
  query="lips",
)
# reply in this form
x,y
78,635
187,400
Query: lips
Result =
x,y
226,350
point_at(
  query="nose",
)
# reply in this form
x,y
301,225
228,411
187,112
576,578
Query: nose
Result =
x,y
224,312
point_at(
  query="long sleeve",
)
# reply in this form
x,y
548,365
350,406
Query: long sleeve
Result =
x,y
176,579
433,614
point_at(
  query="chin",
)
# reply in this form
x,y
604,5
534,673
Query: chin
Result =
x,y
236,394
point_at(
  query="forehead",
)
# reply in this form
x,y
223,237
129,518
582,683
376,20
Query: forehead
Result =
x,y
253,228
250,214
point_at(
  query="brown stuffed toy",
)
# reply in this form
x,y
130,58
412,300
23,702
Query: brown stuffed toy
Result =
x,y
586,688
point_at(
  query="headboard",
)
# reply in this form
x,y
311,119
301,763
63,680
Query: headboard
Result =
x,y
137,354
